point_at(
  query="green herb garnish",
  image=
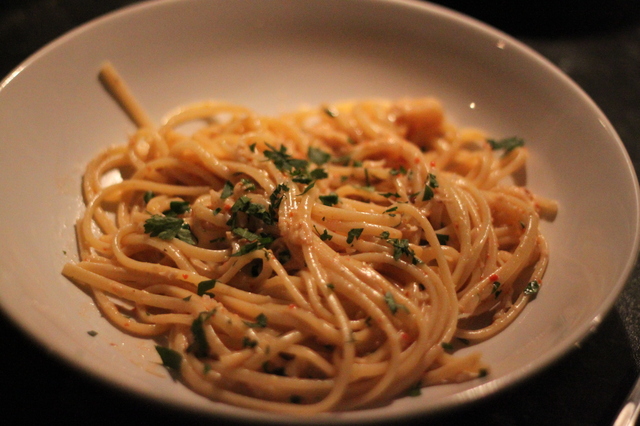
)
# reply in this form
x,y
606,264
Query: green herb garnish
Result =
x,y
508,144
532,288
204,286
148,195
354,234
392,304
170,358
169,227
260,322
318,156
227,190
329,200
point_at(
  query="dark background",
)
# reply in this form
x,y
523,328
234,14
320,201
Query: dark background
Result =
x,y
596,43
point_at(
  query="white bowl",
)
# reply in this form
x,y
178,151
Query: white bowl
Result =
x,y
275,56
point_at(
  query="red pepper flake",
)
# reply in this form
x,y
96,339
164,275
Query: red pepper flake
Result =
x,y
416,160
433,164
405,338
493,277
292,306
185,276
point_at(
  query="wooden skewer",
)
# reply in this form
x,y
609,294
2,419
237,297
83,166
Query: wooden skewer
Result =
x,y
118,89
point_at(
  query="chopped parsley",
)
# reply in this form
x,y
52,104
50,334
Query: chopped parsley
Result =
x,y
325,236
170,358
296,167
392,304
256,242
276,196
400,248
318,156
205,286
508,144
227,190
399,171
329,200
308,188
245,233
247,184
200,345
331,113
495,289
260,322
443,239
389,194
415,390
532,288
148,195
431,184
354,234
244,205
343,160
283,161
248,342
446,346
177,208
92,333
169,227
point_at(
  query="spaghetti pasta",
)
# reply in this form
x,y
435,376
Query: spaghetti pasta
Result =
x,y
326,259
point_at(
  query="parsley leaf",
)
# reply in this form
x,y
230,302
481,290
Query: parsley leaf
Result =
x,y
508,144
392,304
415,390
177,208
245,233
325,236
495,289
329,200
318,156
248,184
227,190
401,247
148,195
354,234
248,342
331,113
169,227
276,196
399,171
244,204
432,182
532,288
204,286
283,161
389,194
260,322
200,345
170,358
256,241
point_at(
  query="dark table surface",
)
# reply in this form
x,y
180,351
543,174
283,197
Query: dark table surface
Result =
x,y
599,47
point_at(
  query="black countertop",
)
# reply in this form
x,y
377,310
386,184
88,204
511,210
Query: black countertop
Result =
x,y
599,48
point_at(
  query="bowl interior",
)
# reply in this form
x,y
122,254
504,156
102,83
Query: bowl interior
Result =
x,y
276,56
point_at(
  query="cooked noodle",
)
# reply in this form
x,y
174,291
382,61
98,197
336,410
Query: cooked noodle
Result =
x,y
326,259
